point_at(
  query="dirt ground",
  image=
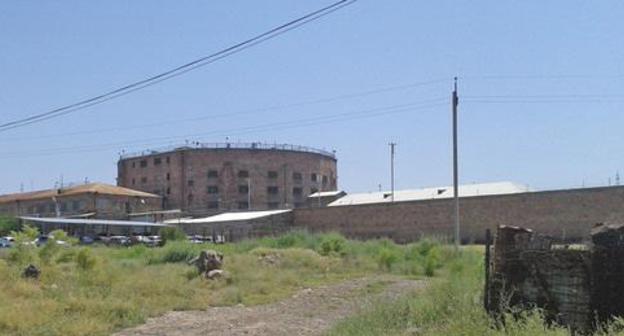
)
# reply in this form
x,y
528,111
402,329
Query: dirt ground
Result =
x,y
308,312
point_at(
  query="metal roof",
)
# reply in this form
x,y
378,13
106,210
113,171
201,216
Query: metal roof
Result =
x,y
89,188
468,190
228,217
326,193
76,221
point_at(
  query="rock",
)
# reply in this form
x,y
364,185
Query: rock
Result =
x,y
207,261
214,274
31,272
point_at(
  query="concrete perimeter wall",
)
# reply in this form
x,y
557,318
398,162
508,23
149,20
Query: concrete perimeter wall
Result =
x,y
564,214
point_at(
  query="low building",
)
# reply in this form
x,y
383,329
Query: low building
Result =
x,y
92,200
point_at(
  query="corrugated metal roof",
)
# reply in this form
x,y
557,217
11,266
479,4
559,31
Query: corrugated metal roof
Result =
x,y
228,217
90,188
468,190
75,221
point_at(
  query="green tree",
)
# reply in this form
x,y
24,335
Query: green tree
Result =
x,y
8,224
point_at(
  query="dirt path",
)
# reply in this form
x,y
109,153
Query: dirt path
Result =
x,y
308,312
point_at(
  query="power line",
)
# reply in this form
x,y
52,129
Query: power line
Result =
x,y
203,61
246,112
425,104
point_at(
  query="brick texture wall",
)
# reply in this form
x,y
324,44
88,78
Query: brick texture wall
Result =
x,y
567,214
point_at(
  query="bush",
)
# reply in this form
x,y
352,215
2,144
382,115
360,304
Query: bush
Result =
x,y
173,253
171,233
333,244
8,225
386,258
85,260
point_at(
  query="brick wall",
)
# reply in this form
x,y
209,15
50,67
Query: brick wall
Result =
x,y
565,214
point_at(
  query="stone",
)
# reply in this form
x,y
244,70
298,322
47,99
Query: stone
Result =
x,y
31,272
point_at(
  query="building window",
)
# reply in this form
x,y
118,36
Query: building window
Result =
x,y
52,208
313,190
157,161
273,205
190,198
313,177
325,179
297,191
143,163
143,180
243,205
213,189
272,174
190,183
297,176
213,174
133,181
63,206
243,189
168,190
272,190
243,173
133,164
168,176
167,160
75,205
300,205
213,205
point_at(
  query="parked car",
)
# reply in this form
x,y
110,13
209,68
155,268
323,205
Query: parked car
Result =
x,y
117,240
5,242
86,240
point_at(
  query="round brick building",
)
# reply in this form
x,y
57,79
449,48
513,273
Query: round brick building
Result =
x,y
210,178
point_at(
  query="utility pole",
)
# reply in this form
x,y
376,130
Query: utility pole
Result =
x,y
455,170
392,145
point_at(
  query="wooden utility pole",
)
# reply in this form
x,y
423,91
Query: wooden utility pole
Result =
x,y
455,170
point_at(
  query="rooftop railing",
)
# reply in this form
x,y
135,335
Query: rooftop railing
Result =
x,y
227,145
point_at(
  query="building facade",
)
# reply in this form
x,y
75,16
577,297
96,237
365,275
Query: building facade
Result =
x,y
211,178
93,200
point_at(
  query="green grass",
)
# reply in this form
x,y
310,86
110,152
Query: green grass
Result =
x,y
95,291
451,305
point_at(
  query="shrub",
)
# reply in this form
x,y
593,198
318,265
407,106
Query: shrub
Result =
x,y
171,233
333,244
85,260
386,258
173,253
8,225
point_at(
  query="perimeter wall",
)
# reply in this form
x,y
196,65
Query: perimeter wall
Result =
x,y
564,214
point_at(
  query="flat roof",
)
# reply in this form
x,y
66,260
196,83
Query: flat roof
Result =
x,y
327,193
229,146
467,190
228,217
89,188
80,221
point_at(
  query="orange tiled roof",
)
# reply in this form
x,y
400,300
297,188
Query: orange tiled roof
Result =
x,y
90,188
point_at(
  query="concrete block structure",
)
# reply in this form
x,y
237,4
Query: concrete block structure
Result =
x,y
92,200
204,179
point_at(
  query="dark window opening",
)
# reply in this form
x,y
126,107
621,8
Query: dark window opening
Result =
x,y
272,174
243,205
75,205
168,190
273,205
313,190
133,164
243,173
168,176
325,179
213,189
167,159
272,190
243,189
190,183
143,180
297,191
297,176
133,181
157,161
143,163
313,177
213,205
213,174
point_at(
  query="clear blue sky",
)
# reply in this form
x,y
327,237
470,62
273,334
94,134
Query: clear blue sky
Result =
x,y
57,52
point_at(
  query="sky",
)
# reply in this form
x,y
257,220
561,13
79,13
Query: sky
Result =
x,y
539,87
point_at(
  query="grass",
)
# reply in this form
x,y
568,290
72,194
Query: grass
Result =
x,y
95,291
